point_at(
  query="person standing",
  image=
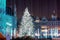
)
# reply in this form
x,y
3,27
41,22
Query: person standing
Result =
x,y
7,36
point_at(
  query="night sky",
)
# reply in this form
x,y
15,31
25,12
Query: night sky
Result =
x,y
38,8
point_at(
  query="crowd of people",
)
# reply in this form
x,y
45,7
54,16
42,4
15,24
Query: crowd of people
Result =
x,y
30,38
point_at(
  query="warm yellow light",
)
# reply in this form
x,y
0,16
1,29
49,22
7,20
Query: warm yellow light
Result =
x,y
44,30
44,27
37,21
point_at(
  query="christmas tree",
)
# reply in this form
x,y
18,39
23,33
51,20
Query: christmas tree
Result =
x,y
26,27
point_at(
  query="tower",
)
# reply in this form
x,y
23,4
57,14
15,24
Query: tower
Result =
x,y
2,14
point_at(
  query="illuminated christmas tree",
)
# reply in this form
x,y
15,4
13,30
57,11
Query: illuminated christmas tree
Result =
x,y
26,28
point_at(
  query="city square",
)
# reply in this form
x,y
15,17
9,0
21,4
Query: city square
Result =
x,y
29,19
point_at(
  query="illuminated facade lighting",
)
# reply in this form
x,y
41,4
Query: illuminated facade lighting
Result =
x,y
8,23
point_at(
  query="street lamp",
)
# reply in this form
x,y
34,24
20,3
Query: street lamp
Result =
x,y
37,34
9,29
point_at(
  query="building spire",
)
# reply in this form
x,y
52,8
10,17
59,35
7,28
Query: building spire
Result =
x,y
14,9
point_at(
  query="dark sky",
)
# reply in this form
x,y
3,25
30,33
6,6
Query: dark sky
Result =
x,y
38,8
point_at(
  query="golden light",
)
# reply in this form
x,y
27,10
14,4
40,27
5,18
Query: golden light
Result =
x,y
44,30
37,21
44,26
